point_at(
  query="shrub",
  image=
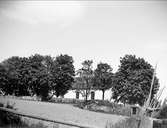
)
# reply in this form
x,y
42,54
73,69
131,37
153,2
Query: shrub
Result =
x,y
162,113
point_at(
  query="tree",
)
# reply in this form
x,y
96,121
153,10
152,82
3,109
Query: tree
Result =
x,y
63,73
23,76
3,78
132,81
40,78
14,68
37,75
103,77
85,78
9,67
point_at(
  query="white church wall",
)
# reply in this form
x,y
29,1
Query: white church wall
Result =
x,y
98,95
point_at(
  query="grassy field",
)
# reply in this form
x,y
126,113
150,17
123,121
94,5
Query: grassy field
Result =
x,y
63,112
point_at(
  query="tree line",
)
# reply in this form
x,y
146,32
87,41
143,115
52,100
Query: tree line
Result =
x,y
46,76
37,75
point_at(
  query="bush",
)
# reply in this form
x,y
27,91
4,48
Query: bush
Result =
x,y
162,113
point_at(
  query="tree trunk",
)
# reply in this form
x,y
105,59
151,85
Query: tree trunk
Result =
x,y
57,94
103,91
86,96
86,91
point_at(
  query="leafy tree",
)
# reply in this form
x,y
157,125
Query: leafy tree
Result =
x,y
3,78
132,81
85,78
63,74
37,74
26,76
14,70
103,77
40,81
23,78
9,66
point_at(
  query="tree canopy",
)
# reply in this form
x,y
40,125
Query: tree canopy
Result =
x,y
63,74
103,77
44,75
39,75
36,75
84,78
132,81
15,73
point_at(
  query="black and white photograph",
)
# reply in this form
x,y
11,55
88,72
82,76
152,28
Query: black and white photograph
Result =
x,y
83,64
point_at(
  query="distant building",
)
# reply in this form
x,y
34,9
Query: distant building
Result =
x,y
98,94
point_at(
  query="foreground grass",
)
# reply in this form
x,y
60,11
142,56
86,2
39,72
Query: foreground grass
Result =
x,y
126,123
24,125
141,121
10,120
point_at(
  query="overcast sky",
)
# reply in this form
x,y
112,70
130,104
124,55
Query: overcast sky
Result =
x,y
101,31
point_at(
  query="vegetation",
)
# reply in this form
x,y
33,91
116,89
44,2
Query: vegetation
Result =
x,y
36,75
103,77
106,107
127,123
39,77
46,76
162,113
132,81
36,125
132,122
63,74
85,78
8,118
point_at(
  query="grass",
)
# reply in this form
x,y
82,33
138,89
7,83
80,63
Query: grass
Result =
x,y
23,125
59,112
130,122
10,120
106,107
102,106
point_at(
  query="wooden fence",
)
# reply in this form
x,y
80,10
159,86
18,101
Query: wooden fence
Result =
x,y
43,119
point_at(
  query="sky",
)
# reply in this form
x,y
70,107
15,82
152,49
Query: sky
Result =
x,y
102,31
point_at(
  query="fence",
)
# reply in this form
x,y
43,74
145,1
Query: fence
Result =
x,y
43,119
